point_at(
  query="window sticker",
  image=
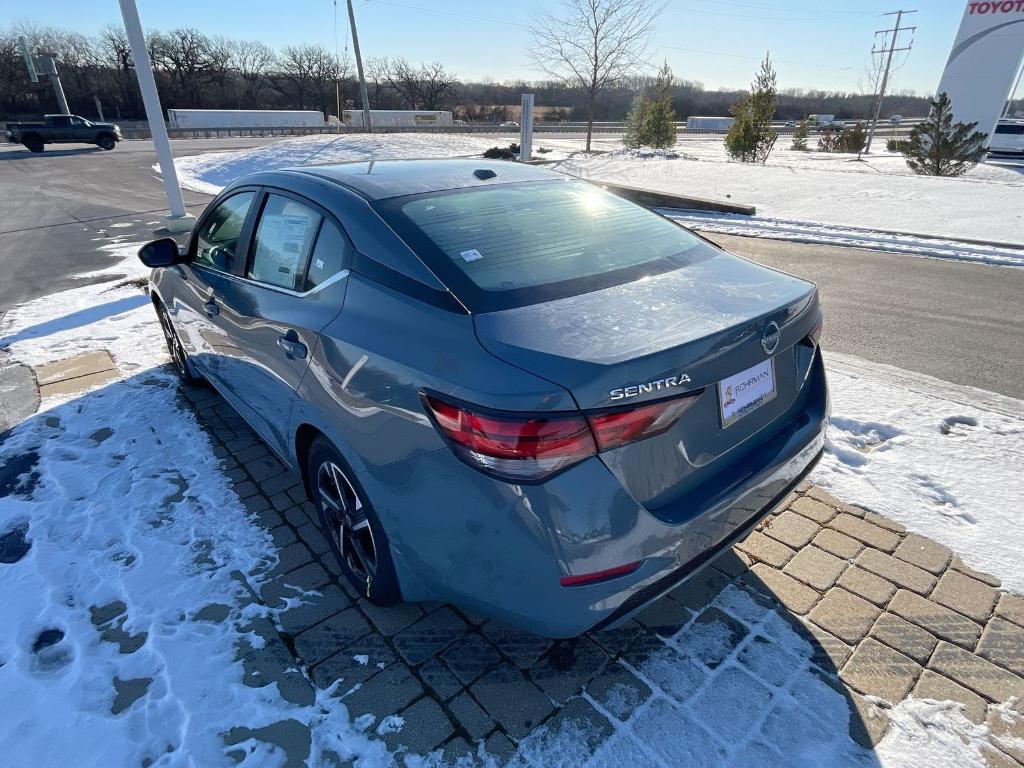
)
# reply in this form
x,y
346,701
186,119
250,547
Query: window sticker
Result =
x,y
471,255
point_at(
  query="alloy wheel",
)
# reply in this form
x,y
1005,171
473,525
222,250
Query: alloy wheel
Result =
x,y
347,523
174,345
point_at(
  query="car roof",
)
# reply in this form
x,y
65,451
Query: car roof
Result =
x,y
380,179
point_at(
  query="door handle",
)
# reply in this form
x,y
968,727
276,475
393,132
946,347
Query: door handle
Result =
x,y
211,309
292,346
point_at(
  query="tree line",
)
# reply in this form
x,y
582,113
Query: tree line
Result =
x,y
196,70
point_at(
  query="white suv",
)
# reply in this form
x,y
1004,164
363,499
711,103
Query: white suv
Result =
x,y
1009,137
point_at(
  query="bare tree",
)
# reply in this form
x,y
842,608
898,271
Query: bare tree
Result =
x,y
422,87
253,61
435,85
307,71
186,55
593,43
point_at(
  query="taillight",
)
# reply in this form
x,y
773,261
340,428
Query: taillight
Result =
x,y
532,447
815,335
527,448
620,427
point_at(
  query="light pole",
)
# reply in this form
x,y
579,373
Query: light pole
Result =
x,y
179,220
359,66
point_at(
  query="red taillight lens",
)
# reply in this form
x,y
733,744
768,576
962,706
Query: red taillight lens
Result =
x,y
815,335
620,427
525,448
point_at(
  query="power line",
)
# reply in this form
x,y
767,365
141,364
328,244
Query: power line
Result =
x,y
801,9
449,13
888,52
752,58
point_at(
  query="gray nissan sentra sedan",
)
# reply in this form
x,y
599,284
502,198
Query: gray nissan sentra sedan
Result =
x,y
503,388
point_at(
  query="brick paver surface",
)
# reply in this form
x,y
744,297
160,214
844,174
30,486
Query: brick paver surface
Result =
x,y
823,607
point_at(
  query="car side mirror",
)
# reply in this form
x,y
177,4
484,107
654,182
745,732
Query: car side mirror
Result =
x,y
160,253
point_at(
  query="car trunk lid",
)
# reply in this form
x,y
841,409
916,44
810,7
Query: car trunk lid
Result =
x,y
677,333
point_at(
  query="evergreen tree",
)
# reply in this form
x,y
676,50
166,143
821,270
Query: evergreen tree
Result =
x,y
940,147
800,136
636,120
651,121
751,138
660,131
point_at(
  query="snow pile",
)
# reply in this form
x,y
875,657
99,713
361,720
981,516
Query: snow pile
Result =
x,y
941,459
129,565
210,172
882,193
851,237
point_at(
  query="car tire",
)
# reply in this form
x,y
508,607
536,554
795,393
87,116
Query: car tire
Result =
x,y
34,144
350,525
179,356
106,142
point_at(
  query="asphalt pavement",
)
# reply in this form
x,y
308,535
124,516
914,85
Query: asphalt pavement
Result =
x,y
57,207
956,321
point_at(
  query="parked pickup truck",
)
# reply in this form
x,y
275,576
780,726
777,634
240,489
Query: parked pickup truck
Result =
x,y
63,129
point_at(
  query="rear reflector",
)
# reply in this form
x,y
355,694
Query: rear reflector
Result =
x,y
620,427
520,448
592,578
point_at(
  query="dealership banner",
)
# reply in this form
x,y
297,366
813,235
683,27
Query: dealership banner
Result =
x,y
984,62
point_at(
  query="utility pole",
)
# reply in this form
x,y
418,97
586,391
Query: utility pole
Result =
x,y
359,67
179,220
888,52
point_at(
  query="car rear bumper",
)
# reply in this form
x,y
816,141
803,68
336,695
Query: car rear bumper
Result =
x,y
501,550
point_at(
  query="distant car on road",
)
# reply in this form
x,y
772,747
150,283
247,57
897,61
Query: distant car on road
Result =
x,y
1008,137
509,124
501,387
791,123
896,119
63,129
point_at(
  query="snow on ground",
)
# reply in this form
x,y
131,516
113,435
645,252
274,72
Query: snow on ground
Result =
x,y
942,459
800,187
211,171
801,196
851,237
112,515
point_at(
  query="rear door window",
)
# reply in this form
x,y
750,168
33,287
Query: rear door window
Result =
x,y
331,255
284,237
217,238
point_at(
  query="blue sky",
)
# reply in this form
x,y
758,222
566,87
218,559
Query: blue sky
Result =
x,y
816,44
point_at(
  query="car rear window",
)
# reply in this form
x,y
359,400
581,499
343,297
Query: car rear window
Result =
x,y
1012,129
517,244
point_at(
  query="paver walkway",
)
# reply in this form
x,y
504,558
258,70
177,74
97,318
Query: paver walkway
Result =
x,y
781,646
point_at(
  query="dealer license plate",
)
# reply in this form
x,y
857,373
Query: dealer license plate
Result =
x,y
746,391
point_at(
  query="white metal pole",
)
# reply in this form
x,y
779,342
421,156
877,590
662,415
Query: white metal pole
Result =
x,y
59,90
526,128
179,220
367,125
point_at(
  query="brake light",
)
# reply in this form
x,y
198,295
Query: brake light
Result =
x,y
815,335
527,448
620,427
